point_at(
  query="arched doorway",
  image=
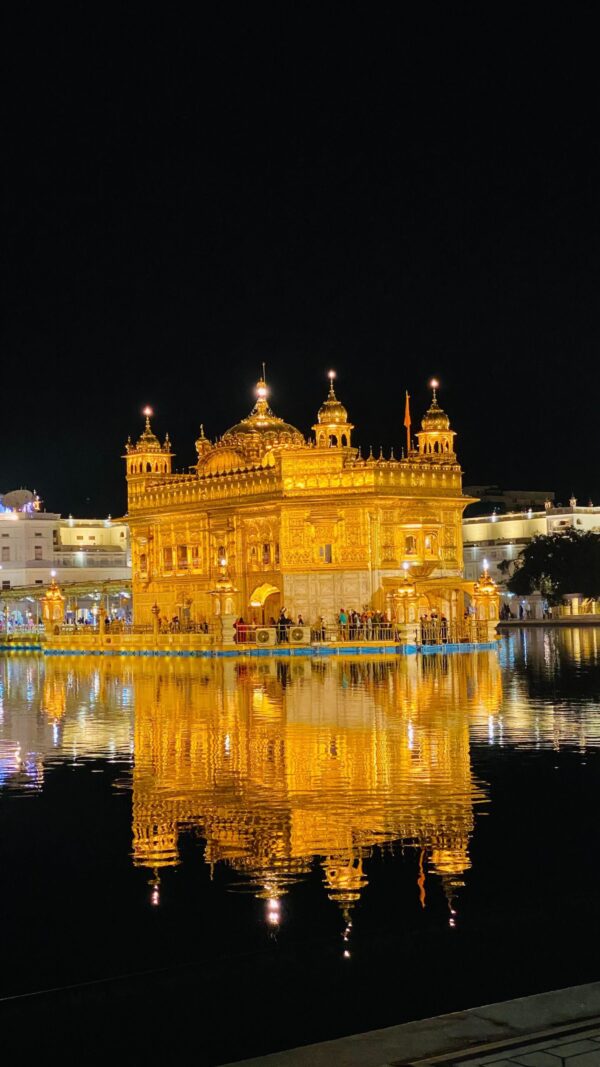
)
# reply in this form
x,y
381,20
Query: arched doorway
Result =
x,y
262,610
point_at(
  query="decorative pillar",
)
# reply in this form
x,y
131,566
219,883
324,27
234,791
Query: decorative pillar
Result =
x,y
486,599
406,611
224,595
53,607
573,602
536,603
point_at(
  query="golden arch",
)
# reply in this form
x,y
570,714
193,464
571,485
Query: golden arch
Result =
x,y
261,593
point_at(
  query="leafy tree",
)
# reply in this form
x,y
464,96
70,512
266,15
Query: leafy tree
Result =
x,y
555,564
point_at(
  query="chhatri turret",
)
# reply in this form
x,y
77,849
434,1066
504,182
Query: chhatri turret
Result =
x,y
147,455
332,429
436,439
146,459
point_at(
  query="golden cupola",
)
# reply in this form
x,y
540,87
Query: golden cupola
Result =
x,y
147,455
332,429
261,431
436,439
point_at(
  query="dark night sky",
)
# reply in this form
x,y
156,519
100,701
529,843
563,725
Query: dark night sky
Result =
x,y
394,195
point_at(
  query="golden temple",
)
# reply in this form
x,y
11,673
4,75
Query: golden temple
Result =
x,y
305,524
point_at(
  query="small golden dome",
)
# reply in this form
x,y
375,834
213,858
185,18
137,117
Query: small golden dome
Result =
x,y
434,418
148,441
332,411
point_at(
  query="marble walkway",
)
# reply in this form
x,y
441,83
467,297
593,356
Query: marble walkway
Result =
x,y
557,1029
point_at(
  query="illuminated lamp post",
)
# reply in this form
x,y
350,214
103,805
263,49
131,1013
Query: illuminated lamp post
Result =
x,y
53,606
407,606
224,594
486,601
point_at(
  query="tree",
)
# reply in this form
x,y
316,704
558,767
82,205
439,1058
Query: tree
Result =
x,y
555,564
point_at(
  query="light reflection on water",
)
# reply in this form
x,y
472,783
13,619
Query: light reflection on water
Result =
x,y
281,764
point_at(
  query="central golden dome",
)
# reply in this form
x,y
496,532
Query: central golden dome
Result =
x,y
262,429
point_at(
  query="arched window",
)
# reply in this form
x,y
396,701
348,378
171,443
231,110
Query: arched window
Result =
x,y
143,563
149,467
410,545
332,440
344,440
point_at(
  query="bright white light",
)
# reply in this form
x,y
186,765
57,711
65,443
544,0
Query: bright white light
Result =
x,y
147,412
485,564
53,574
434,384
346,954
331,375
273,913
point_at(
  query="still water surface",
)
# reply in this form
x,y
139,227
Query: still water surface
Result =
x,y
280,851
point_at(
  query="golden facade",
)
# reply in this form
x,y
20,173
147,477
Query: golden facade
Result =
x,y
305,524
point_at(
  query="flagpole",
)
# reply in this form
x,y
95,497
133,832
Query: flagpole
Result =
x,y
407,423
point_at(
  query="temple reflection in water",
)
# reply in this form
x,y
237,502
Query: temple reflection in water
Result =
x,y
276,764
290,762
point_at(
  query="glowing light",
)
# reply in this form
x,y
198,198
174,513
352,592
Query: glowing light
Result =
x,y
261,390
434,384
53,574
273,913
485,564
405,565
147,412
346,954
331,375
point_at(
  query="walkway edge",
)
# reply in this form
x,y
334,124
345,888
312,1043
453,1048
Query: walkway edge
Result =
x,y
460,1031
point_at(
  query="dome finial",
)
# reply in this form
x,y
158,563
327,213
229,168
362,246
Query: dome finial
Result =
x,y
331,376
434,386
148,441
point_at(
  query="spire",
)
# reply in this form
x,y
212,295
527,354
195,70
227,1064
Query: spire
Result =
x,y
148,412
261,407
331,376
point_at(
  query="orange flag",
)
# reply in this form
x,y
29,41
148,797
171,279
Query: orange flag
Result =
x,y
407,412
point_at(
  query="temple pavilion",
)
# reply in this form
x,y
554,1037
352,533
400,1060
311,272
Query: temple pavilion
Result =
x,y
307,524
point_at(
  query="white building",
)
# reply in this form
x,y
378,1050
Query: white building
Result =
x,y
502,537
36,545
